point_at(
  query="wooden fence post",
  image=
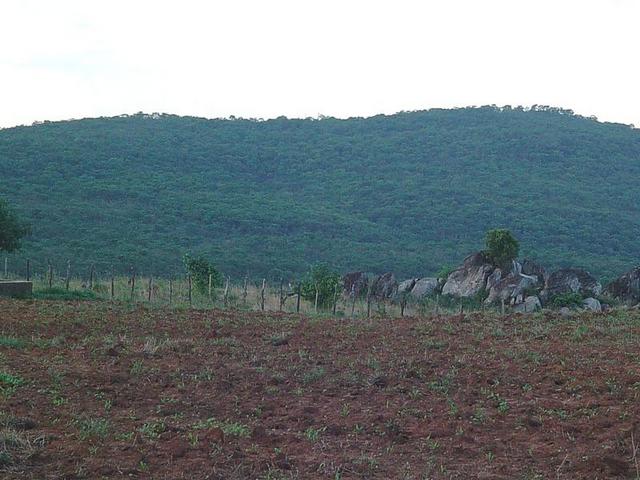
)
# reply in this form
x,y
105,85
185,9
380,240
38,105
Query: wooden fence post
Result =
x,y
244,291
315,304
170,291
335,298
210,282
133,282
369,301
264,284
281,304
91,274
6,267
150,287
225,297
353,299
299,295
113,285
403,303
67,279
50,275
28,269
189,279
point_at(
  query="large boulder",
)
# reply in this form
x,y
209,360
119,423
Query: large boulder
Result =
x,y
405,286
355,283
494,279
625,288
592,304
384,286
530,304
512,289
424,287
531,268
571,280
471,278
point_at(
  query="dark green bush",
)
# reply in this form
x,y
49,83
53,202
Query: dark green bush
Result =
x,y
502,247
567,300
321,278
200,268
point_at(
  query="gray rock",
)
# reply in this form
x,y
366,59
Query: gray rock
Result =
x,y
531,268
469,279
494,278
424,287
592,304
511,289
625,288
571,280
406,285
356,283
384,286
530,304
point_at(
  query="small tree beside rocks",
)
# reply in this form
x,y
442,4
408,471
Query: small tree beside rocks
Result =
x,y
502,247
321,283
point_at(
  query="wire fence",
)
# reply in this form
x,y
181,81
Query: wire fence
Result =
x,y
243,294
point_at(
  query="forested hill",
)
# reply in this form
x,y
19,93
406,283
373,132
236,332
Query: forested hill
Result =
x,y
409,192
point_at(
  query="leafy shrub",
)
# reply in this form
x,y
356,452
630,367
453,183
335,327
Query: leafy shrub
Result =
x,y
321,278
200,268
567,300
445,271
502,247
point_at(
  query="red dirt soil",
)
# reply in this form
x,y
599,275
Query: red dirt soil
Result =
x,y
115,391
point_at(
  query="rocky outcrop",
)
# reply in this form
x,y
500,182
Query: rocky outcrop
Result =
x,y
494,279
625,288
592,304
355,283
471,278
384,286
530,304
520,282
424,287
531,268
511,289
405,286
571,280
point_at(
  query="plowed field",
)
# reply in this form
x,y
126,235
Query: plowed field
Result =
x,y
94,390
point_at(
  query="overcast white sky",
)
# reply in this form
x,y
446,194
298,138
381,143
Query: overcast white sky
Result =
x,y
70,58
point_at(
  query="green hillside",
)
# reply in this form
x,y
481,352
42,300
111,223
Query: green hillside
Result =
x,y
409,192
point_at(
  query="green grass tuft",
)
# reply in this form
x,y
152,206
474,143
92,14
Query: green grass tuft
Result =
x,y
12,342
57,293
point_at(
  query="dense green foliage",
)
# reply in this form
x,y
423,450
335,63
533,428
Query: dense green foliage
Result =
x,y
324,281
408,192
200,270
11,228
567,300
501,246
57,293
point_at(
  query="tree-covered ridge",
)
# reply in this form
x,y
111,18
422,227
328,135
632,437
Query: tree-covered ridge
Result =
x,y
409,192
